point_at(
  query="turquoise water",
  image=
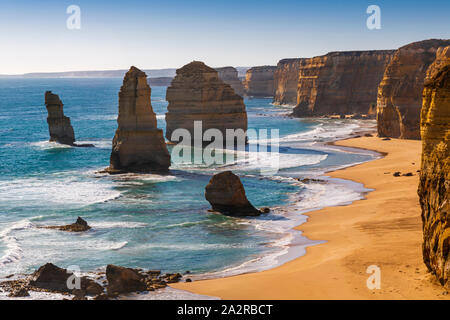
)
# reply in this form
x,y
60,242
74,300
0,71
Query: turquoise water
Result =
x,y
148,221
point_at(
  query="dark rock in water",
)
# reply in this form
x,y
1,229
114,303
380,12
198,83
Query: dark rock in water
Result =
x,y
124,280
79,226
59,126
19,292
226,194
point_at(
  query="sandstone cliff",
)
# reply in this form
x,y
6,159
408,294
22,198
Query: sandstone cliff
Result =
x,y
400,92
434,187
340,82
197,94
138,145
229,75
286,81
59,126
259,81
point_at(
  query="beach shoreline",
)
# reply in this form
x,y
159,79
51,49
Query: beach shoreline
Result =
x,y
384,229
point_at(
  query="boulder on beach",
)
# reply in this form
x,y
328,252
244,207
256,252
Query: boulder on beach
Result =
x,y
124,280
226,194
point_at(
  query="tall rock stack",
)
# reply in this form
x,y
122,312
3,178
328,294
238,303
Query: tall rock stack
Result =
x,y
340,83
286,81
138,145
229,75
198,94
259,81
59,126
400,92
434,187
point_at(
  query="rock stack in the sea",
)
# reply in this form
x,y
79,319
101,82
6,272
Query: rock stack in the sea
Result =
x,y
340,83
286,81
259,81
434,187
226,194
198,94
138,144
400,92
229,75
59,126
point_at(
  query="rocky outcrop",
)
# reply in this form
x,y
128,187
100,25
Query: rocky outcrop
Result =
x,y
59,126
400,92
79,226
340,83
160,82
259,81
138,145
434,187
286,81
123,280
226,195
229,75
442,59
197,94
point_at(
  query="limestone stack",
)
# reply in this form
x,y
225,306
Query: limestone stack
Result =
x,y
259,81
229,75
400,92
286,81
138,145
59,126
340,83
198,94
434,187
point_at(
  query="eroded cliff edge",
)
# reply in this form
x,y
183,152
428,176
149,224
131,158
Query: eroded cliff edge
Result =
x,y
259,81
286,81
400,92
434,187
340,83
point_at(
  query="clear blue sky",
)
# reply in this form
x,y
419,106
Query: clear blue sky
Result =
x,y
171,33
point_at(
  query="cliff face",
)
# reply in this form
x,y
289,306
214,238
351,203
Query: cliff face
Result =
x,y
286,81
197,94
340,82
138,145
259,81
59,126
229,75
400,92
434,187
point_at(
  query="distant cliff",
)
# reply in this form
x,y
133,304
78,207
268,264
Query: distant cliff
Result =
x,y
259,81
229,75
286,81
400,92
434,187
159,82
340,82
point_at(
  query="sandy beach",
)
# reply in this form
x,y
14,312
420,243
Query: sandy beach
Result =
x,y
385,230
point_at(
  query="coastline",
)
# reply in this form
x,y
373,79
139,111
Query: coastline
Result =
x,y
384,229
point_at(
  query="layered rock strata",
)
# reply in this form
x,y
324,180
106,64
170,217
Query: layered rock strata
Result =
x,y
229,75
340,83
400,92
286,81
434,187
259,81
198,94
59,126
226,195
138,145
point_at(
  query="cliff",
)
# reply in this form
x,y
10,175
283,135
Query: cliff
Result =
x,y
400,92
286,81
434,187
259,81
198,94
59,126
340,82
138,145
229,75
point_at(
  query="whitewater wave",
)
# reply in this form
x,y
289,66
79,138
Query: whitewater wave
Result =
x,y
13,252
118,224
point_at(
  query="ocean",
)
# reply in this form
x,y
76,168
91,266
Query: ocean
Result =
x,y
154,221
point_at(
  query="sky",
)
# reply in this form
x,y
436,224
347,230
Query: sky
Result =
x,y
168,34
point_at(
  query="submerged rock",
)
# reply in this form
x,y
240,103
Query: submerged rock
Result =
x,y
79,226
138,145
434,187
226,194
59,126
